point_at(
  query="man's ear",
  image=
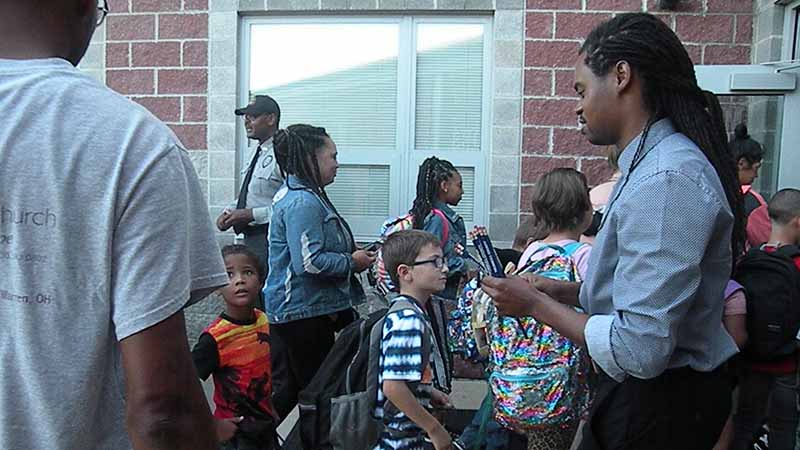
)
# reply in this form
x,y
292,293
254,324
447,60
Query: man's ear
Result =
x,y
272,119
623,75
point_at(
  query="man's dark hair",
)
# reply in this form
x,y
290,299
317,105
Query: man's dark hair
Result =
x,y
561,199
432,172
784,206
670,90
403,247
743,146
237,249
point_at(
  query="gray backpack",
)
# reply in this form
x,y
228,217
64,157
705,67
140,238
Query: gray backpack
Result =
x,y
352,417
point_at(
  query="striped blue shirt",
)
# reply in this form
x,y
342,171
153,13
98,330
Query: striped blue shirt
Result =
x,y
660,264
401,360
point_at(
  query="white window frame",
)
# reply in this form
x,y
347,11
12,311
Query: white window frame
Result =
x,y
791,31
405,159
773,78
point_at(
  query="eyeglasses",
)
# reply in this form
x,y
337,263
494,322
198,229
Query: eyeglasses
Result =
x,y
102,6
437,262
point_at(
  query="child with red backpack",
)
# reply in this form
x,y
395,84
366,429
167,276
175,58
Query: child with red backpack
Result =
x,y
439,186
769,383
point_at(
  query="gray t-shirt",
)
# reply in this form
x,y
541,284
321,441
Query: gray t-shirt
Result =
x,y
104,232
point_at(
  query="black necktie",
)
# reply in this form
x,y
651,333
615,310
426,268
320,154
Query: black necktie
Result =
x,y
241,203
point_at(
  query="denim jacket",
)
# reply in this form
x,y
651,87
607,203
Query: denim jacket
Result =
x,y
310,262
457,234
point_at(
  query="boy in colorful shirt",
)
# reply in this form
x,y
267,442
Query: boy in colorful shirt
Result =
x,y
235,349
416,265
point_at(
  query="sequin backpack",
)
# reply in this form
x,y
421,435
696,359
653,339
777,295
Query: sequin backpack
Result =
x,y
538,377
467,333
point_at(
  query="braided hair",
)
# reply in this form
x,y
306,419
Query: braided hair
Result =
x,y
296,153
669,90
431,174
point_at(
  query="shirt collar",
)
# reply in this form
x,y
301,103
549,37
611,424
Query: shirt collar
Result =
x,y
446,209
296,182
658,131
266,144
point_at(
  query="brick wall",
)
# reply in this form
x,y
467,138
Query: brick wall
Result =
x,y
714,32
157,54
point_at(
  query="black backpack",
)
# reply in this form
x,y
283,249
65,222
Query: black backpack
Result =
x,y
336,408
330,380
772,286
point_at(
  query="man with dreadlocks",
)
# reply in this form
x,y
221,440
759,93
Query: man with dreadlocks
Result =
x,y
310,288
652,297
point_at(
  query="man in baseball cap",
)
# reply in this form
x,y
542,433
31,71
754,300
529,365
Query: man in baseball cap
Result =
x,y
250,214
261,104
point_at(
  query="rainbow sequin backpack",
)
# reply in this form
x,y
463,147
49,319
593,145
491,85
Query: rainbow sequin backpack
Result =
x,y
538,377
465,328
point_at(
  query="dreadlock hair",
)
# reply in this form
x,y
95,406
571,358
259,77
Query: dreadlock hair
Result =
x,y
296,152
432,172
670,90
743,146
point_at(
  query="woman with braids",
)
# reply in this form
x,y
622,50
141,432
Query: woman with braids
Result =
x,y
311,286
664,253
438,187
748,153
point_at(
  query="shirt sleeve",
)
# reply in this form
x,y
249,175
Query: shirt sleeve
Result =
x,y
658,274
164,254
205,355
306,239
401,346
262,215
736,304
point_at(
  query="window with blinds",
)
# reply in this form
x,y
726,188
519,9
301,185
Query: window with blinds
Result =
x,y
449,81
390,92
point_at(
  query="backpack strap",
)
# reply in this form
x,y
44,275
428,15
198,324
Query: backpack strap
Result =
x,y
428,347
445,225
376,337
567,250
573,247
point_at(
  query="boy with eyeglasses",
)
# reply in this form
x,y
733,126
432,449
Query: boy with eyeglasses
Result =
x,y
408,364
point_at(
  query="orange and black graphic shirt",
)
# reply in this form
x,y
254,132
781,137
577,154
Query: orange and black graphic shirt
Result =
x,y
238,355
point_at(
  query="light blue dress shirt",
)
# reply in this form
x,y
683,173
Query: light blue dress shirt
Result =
x,y
660,263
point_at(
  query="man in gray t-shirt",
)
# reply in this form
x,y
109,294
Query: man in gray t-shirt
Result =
x,y
104,239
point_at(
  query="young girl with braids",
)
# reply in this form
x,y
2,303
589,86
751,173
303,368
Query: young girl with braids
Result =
x,y
310,288
652,295
439,186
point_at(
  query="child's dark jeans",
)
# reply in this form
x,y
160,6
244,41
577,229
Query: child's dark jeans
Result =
x,y
771,397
